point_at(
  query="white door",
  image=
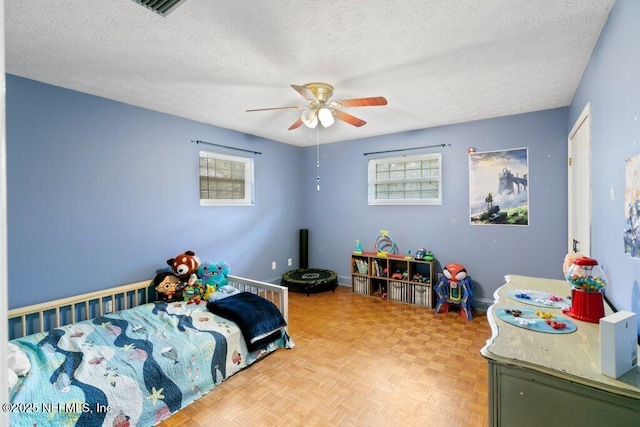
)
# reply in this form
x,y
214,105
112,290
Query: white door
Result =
x,y
580,184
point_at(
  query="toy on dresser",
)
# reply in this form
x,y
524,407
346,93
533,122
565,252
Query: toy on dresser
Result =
x,y
588,281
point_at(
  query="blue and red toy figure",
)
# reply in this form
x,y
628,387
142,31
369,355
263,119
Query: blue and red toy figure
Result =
x,y
454,287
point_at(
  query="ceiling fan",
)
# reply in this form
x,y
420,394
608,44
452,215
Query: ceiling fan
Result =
x,y
321,110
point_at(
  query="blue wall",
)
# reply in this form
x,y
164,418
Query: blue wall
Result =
x,y
101,193
338,214
612,86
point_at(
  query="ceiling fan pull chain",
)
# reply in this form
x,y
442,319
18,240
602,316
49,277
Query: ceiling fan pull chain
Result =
x,y
318,158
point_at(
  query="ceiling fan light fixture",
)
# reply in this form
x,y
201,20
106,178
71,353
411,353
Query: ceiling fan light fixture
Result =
x,y
321,110
309,118
325,116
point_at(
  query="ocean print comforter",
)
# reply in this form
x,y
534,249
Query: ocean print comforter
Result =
x,y
130,368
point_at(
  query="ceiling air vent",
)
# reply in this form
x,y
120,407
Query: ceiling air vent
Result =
x,y
163,7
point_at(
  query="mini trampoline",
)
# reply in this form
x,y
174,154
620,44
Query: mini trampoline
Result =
x,y
308,280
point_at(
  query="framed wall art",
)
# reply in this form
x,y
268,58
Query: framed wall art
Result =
x,y
499,187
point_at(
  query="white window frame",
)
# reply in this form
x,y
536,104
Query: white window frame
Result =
x,y
248,199
374,180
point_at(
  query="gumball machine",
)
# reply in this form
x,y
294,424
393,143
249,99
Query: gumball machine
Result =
x,y
588,281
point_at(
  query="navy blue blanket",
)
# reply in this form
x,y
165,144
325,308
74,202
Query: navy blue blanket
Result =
x,y
259,319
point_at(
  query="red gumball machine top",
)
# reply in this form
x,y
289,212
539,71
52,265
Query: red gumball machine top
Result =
x,y
586,274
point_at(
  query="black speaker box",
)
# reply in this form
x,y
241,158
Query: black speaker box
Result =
x,y
304,248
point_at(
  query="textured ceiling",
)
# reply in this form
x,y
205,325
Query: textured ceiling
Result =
x,y
437,62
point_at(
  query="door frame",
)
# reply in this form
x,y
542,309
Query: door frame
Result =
x,y
583,119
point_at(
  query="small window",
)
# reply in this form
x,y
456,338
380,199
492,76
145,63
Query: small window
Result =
x,y
409,180
225,180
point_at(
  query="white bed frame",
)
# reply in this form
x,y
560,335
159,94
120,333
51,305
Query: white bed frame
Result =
x,y
31,319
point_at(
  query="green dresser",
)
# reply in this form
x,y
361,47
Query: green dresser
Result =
x,y
543,379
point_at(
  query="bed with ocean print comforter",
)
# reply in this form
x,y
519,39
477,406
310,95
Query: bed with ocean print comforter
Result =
x,y
130,368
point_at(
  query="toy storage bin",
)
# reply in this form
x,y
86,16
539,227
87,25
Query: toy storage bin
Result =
x,y
421,295
398,291
361,285
360,266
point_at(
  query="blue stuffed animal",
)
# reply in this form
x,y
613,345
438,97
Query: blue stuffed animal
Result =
x,y
213,278
213,275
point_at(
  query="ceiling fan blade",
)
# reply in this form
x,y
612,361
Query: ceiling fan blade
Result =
x,y
296,124
295,107
352,120
363,102
305,93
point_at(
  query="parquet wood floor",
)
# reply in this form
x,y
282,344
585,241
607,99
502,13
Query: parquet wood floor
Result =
x,y
358,361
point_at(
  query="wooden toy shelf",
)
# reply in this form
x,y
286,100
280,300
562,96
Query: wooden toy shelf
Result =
x,y
405,280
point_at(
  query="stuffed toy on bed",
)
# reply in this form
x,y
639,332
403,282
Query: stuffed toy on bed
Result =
x,y
208,291
212,277
168,286
193,293
185,266
213,274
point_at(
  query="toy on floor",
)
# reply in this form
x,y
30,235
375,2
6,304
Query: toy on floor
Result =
x,y
454,287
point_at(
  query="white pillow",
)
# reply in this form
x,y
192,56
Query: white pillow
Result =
x,y
13,378
17,360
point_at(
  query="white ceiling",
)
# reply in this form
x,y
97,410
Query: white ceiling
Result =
x,y
437,62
